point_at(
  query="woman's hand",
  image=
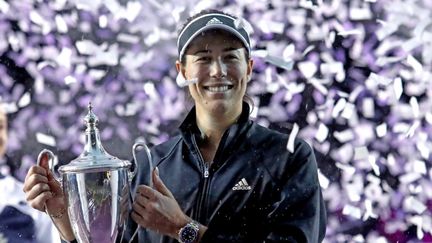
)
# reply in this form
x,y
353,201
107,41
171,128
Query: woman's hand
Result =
x,y
44,193
156,208
42,189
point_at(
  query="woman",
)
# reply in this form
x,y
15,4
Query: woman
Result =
x,y
224,178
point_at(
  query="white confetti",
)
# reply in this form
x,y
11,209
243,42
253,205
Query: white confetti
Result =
x,y
307,50
415,107
292,137
36,18
308,69
182,82
318,86
412,129
423,149
428,117
64,58
103,21
348,111
360,13
361,153
350,32
368,108
369,210
352,211
110,57
338,108
412,204
344,136
279,62
322,133
372,162
268,26
122,37
323,180
397,87
61,24
88,47
4,6
409,177
381,130
419,167
24,100
348,169
416,65
288,52
45,139
241,22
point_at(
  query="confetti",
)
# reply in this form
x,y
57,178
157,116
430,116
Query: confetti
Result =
x,y
322,133
182,82
292,137
45,139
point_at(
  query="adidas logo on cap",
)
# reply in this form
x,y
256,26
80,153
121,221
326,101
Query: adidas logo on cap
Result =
x,y
242,185
214,21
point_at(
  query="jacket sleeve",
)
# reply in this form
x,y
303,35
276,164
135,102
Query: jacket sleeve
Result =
x,y
298,214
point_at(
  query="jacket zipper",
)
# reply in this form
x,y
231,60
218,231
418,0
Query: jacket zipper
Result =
x,y
203,193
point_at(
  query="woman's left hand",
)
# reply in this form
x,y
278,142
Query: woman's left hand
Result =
x,y
156,208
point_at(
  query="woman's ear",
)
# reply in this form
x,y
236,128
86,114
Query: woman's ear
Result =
x,y
180,68
249,69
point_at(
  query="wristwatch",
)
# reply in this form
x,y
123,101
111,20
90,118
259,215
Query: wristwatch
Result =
x,y
189,233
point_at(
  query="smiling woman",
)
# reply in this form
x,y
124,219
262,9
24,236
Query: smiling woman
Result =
x,y
224,178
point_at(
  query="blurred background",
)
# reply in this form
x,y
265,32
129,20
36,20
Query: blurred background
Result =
x,y
352,78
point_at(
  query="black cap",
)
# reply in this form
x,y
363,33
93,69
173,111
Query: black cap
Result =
x,y
212,21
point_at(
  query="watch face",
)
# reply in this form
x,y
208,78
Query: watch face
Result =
x,y
188,234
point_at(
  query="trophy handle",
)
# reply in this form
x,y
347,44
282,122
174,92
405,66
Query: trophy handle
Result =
x,y
136,147
50,156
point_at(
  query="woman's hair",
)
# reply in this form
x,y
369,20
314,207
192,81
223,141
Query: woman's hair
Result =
x,y
246,97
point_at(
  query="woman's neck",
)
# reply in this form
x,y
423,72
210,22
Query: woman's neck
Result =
x,y
213,126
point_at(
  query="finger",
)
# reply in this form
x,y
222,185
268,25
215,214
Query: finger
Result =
x,y
143,201
33,180
55,185
147,192
37,190
138,219
35,169
39,202
43,160
138,208
159,185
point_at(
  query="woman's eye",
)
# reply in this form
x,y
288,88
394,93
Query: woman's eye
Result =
x,y
231,57
203,59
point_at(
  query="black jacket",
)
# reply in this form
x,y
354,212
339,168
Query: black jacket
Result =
x,y
254,191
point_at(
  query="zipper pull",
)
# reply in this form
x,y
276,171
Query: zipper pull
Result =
x,y
206,172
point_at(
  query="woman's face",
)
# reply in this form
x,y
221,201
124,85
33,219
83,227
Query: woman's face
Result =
x,y
218,60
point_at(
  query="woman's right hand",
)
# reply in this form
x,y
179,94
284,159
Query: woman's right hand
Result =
x,y
43,190
44,193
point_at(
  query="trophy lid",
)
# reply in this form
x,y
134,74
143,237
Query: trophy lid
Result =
x,y
94,158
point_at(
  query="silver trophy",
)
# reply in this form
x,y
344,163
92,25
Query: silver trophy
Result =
x,y
97,188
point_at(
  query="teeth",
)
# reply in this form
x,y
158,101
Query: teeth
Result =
x,y
218,89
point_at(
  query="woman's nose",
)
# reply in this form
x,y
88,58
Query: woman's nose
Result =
x,y
218,69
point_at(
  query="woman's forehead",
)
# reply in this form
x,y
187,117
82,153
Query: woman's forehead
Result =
x,y
210,38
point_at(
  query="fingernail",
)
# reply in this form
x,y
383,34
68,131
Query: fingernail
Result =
x,y
157,171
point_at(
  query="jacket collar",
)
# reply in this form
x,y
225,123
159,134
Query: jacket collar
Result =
x,y
189,125
227,145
